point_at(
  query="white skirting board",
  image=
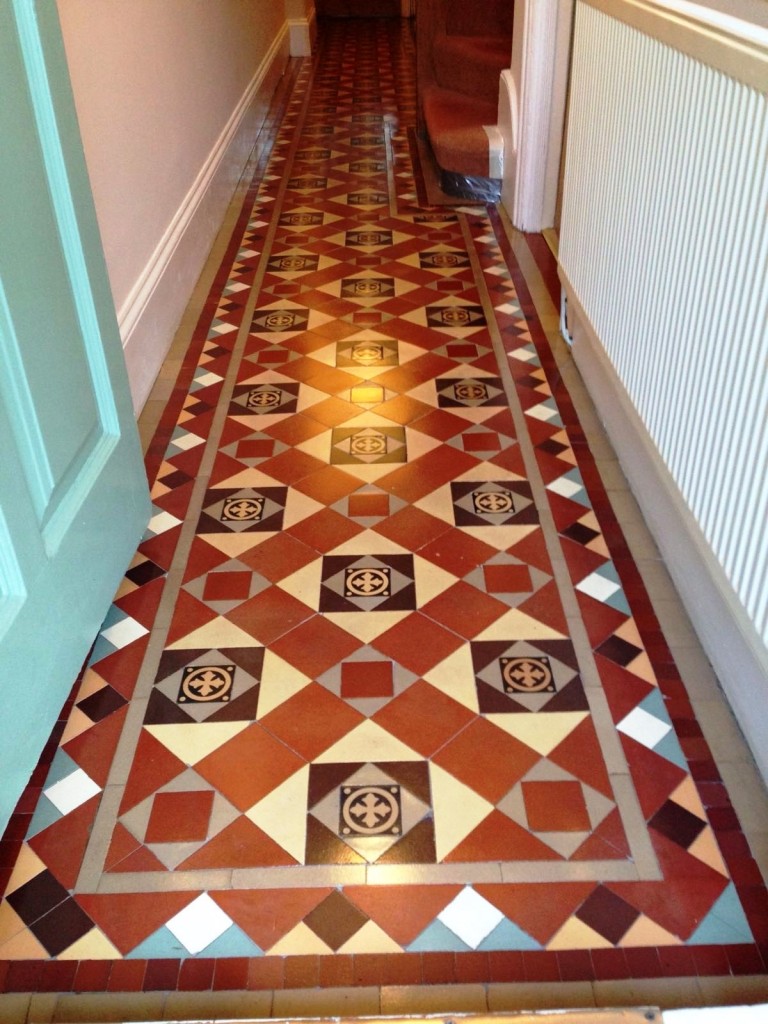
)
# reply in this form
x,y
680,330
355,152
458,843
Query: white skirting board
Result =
x,y
150,315
729,638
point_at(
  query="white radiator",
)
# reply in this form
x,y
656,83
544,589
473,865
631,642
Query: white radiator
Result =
x,y
664,249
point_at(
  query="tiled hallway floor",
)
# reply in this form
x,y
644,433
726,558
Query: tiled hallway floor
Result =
x,y
382,700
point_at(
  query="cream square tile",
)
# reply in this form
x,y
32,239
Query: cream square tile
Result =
x,y
304,584
516,625
455,677
418,443
458,810
431,580
366,626
309,396
283,814
368,742
319,446
194,741
27,866
500,537
298,507
438,503
279,682
369,542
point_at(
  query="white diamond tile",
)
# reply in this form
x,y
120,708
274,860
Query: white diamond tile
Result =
x,y
542,412
598,586
161,522
644,727
72,791
471,917
187,441
124,632
199,924
207,378
523,354
567,488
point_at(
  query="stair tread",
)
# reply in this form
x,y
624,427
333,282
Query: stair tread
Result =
x,y
455,128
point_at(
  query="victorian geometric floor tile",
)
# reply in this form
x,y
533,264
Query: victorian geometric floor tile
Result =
x,y
381,690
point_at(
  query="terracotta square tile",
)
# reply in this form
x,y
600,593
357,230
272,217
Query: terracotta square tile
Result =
x,y
315,645
412,528
440,424
424,718
328,485
179,817
481,442
417,643
403,409
457,552
332,411
507,579
230,767
486,759
465,609
555,807
312,720
290,466
324,530
426,473
279,556
227,586
255,449
269,614
295,429
361,679
368,505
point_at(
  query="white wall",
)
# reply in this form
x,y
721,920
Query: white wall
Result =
x,y
169,97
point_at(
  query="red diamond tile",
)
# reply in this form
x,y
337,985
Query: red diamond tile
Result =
x,y
555,806
179,817
417,643
423,717
227,767
486,759
366,679
278,556
269,614
290,466
324,530
411,528
312,720
328,485
315,645
465,609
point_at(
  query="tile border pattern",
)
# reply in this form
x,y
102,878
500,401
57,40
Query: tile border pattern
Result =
x,y
125,635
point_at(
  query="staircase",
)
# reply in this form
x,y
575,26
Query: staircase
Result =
x,y
462,49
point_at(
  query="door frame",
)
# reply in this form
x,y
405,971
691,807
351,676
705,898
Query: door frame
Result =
x,y
532,104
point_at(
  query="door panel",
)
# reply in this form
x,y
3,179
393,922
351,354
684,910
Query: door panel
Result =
x,y
73,495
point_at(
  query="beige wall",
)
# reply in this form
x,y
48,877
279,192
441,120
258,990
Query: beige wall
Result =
x,y
169,97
